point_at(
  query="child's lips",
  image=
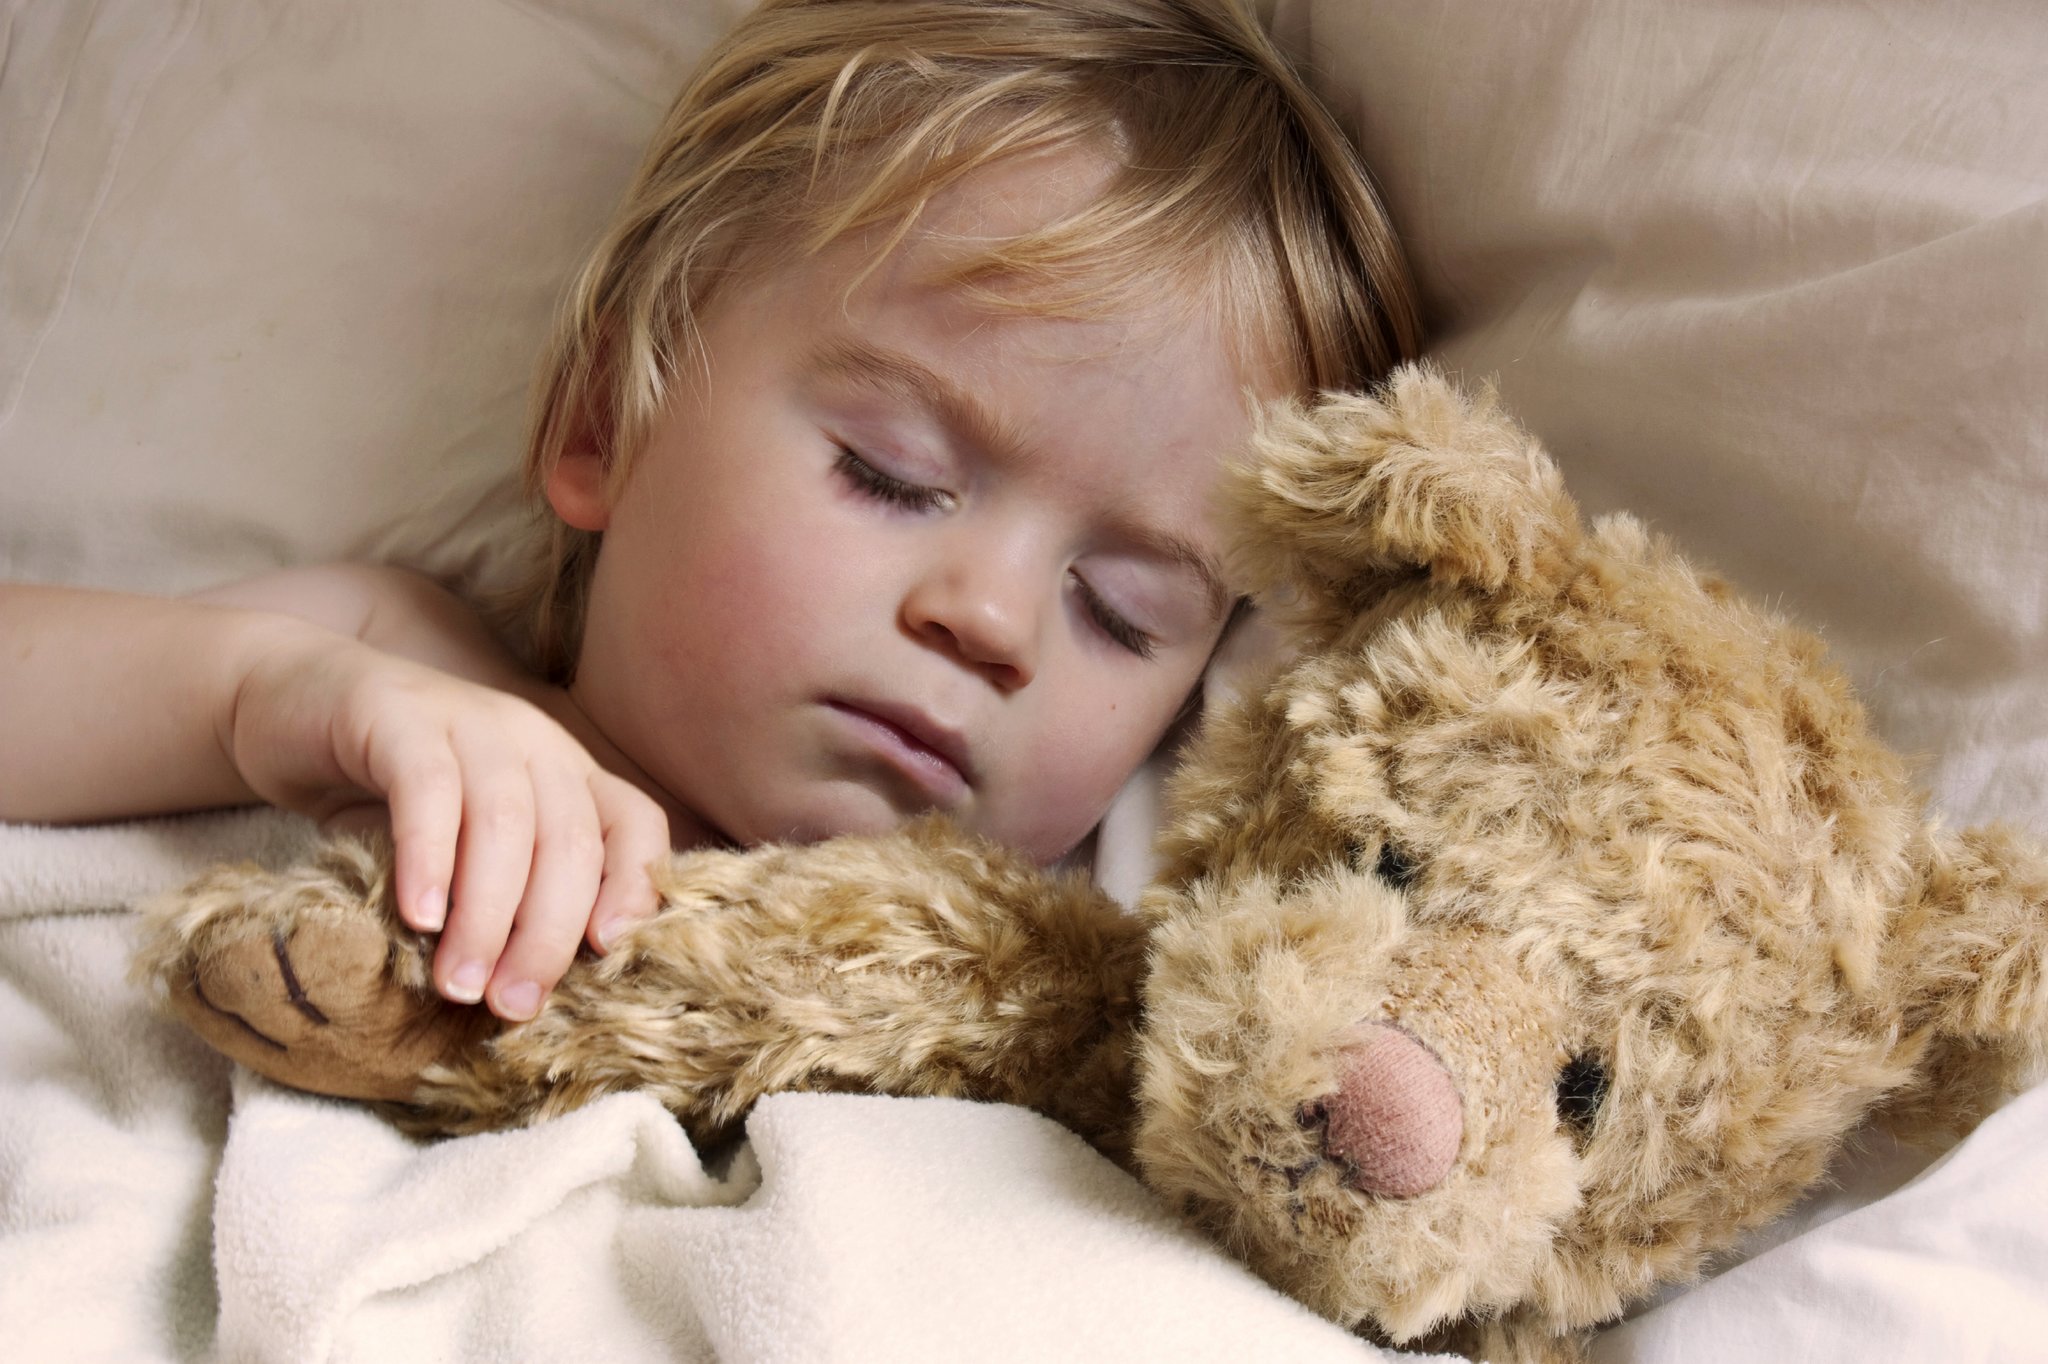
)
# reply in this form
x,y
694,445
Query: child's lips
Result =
x,y
933,755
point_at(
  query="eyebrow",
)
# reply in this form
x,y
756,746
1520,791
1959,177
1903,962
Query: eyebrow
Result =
x,y
872,367
855,361
1183,553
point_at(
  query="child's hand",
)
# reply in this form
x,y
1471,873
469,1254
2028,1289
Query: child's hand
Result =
x,y
505,828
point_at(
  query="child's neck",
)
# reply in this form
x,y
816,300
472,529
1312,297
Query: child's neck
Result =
x,y
686,829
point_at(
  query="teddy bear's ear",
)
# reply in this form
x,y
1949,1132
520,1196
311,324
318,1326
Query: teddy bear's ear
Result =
x,y
1971,949
1341,498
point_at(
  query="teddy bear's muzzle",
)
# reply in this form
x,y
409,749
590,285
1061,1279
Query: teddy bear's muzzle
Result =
x,y
1396,1119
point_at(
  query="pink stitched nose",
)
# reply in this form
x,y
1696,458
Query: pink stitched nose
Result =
x,y
1396,1118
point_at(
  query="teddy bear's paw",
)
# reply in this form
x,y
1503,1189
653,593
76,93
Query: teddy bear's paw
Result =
x,y
304,976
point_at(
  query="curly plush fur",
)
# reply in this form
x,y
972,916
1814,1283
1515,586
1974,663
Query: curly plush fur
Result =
x,y
1544,925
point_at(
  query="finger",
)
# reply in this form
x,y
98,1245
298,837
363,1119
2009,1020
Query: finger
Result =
x,y
424,793
364,819
493,859
635,835
568,861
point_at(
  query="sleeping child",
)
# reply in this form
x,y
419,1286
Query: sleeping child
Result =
x,y
871,454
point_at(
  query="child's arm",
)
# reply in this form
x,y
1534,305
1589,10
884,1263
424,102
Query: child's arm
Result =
x,y
392,609
110,705
114,705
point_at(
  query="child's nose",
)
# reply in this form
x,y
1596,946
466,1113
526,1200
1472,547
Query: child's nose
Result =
x,y
983,611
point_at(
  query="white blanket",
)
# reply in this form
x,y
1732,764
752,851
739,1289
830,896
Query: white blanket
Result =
x,y
154,1206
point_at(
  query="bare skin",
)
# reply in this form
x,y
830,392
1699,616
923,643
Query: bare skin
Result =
x,y
898,552
340,691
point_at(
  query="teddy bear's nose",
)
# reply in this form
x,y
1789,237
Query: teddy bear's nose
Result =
x,y
1396,1118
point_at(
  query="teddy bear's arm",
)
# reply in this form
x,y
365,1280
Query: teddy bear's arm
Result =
x,y
918,962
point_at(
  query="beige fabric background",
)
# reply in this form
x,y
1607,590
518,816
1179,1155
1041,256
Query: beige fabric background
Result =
x,y
273,276
1774,276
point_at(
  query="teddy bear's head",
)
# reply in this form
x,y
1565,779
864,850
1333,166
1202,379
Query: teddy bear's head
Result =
x,y
1554,916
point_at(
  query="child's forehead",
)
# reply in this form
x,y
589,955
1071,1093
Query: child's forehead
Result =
x,y
1092,308
1155,369
1014,196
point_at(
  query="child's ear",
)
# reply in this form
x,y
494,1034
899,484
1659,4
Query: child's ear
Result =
x,y
577,483
576,486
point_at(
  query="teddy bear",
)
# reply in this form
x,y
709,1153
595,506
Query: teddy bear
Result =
x,y
1543,922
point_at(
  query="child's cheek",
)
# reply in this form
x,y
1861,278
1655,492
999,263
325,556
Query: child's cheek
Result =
x,y
755,610
1072,768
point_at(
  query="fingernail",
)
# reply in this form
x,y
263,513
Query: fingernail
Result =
x,y
466,983
433,910
609,931
519,1000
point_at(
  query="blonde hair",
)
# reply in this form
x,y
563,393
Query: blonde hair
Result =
x,y
817,119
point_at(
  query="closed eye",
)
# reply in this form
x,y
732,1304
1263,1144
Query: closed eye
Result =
x,y
872,482
1111,623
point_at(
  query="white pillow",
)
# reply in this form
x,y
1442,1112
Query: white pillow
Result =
x,y
277,273
1775,277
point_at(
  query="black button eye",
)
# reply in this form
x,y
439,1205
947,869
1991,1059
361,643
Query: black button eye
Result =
x,y
1395,867
1581,1089
1387,862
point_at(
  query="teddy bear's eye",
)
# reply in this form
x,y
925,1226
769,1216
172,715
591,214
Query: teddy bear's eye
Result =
x,y
1387,862
1581,1089
1395,867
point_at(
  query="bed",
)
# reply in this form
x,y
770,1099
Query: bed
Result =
x,y
271,280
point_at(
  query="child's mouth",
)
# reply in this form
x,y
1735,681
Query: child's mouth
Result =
x,y
932,756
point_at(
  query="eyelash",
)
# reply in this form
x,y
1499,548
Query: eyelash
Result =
x,y
1115,626
867,479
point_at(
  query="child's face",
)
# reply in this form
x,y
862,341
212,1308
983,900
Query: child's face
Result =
x,y
901,552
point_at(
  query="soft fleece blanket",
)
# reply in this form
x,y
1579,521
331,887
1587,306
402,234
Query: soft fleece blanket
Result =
x,y
156,1205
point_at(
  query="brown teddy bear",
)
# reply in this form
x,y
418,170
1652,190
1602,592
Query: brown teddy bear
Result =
x,y
1545,923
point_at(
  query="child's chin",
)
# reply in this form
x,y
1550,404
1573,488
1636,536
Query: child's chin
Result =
x,y
812,817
